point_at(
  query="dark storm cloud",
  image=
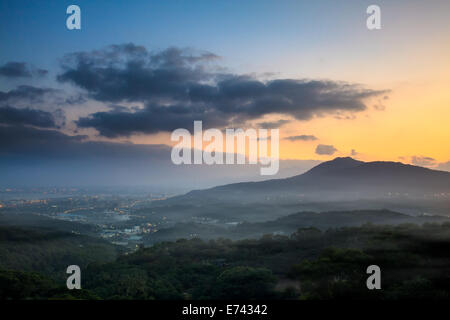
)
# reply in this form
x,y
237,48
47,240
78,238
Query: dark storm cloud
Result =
x,y
178,86
29,93
273,124
30,143
45,99
29,105
303,137
131,73
15,116
324,149
20,70
15,70
151,119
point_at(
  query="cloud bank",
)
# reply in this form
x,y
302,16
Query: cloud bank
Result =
x,y
20,70
176,86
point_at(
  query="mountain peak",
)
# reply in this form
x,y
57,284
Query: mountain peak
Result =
x,y
345,160
337,164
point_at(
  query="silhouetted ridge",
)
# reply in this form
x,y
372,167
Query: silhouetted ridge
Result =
x,y
341,178
335,164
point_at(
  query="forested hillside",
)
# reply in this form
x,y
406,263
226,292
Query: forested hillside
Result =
x,y
309,264
50,252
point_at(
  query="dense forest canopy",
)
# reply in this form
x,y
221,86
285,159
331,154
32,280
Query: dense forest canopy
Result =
x,y
308,264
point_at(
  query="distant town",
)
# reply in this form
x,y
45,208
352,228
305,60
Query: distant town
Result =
x,y
120,219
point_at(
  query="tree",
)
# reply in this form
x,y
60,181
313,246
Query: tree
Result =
x,y
245,283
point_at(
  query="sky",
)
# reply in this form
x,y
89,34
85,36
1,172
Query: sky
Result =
x,y
98,105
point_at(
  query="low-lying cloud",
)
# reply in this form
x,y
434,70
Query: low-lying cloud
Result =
x,y
444,166
15,116
302,137
323,149
423,161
